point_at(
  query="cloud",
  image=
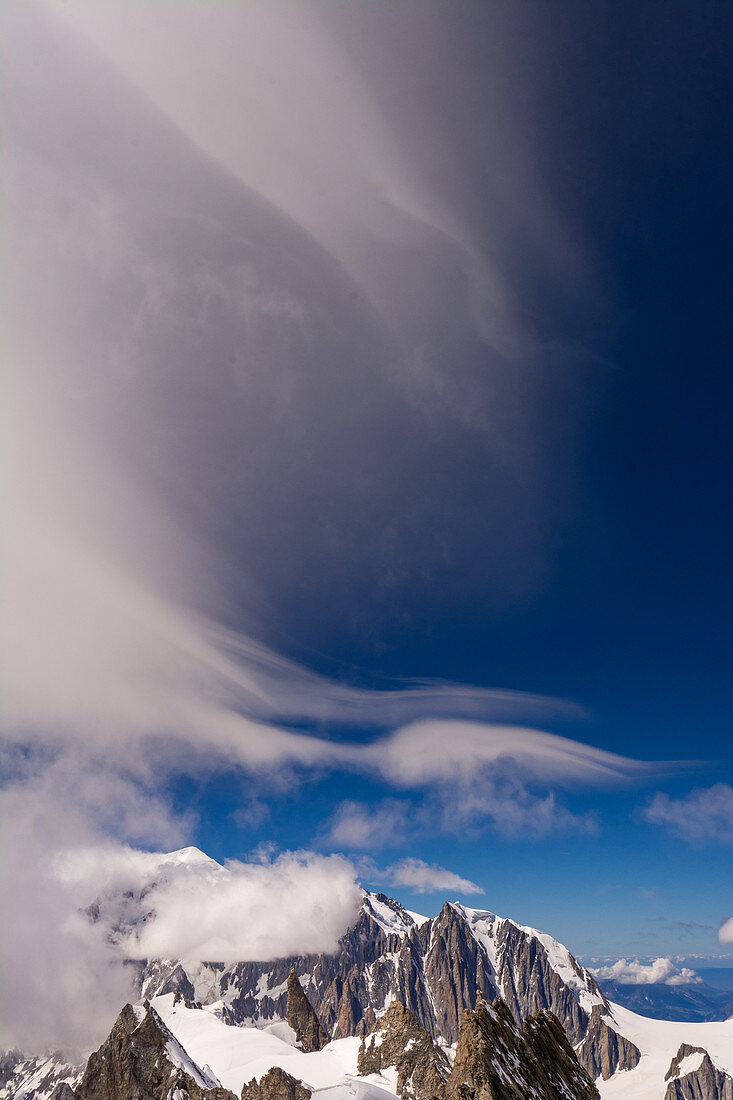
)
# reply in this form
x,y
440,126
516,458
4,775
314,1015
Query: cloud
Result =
x,y
242,393
703,814
185,905
426,878
431,751
58,973
357,825
725,932
661,971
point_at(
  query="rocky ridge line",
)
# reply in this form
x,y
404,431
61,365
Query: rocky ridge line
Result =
x,y
498,1060
142,1060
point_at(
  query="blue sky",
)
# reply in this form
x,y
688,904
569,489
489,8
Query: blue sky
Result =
x,y
372,402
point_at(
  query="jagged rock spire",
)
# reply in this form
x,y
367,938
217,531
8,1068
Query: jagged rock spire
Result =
x,y
276,1084
301,1016
396,1039
498,1060
133,1063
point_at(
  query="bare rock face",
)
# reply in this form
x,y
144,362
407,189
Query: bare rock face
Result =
x,y
455,971
142,1060
603,1051
398,1040
498,1060
301,1016
529,984
276,1084
704,1082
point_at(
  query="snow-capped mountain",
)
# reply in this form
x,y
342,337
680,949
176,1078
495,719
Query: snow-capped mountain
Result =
x,y
437,968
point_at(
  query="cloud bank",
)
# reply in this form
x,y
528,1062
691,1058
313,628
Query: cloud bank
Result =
x,y
661,971
185,905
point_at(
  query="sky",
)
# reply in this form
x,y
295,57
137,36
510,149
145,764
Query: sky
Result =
x,y
367,465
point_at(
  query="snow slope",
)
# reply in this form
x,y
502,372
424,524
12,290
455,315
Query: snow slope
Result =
x,y
234,1055
237,1054
659,1041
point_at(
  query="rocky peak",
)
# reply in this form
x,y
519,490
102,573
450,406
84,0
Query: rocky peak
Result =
x,y
692,1075
498,1060
301,1016
276,1084
142,1060
396,1039
603,1051
63,1091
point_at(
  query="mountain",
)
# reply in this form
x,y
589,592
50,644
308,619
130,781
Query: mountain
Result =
x,y
36,1077
437,971
435,967
698,1002
144,1058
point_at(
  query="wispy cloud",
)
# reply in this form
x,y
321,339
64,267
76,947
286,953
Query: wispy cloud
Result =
x,y
426,878
703,814
356,825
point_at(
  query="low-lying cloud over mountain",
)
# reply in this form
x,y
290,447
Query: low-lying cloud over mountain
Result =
x,y
633,972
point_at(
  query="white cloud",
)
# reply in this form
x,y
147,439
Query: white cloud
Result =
x,y
426,878
725,932
661,971
703,814
430,752
297,902
356,825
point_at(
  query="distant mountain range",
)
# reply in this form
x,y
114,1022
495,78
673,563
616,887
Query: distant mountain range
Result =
x,y
698,1003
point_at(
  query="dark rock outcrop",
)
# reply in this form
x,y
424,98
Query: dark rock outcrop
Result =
x,y
683,1052
301,1016
142,1060
498,1060
398,1040
276,1084
603,1051
706,1082
62,1092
